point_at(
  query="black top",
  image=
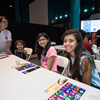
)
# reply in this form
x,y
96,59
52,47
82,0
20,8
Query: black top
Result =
x,y
21,55
98,33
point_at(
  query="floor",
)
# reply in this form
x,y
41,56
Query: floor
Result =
x,y
35,60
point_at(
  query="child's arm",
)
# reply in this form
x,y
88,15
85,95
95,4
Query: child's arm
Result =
x,y
50,62
26,54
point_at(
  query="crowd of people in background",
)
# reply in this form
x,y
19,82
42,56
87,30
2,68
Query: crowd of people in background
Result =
x,y
78,51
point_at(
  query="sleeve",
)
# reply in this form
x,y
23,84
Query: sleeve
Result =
x,y
89,47
9,36
86,67
52,52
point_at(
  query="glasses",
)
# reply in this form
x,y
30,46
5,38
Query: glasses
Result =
x,y
39,40
5,22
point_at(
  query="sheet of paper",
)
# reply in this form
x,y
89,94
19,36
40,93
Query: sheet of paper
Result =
x,y
19,65
53,88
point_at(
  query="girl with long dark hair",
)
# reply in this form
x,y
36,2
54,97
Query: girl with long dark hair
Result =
x,y
82,66
46,52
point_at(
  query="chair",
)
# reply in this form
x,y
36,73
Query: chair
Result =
x,y
97,63
29,51
62,62
53,43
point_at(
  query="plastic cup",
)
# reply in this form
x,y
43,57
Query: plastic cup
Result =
x,y
17,62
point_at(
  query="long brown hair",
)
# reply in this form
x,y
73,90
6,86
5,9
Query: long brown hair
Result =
x,y
75,68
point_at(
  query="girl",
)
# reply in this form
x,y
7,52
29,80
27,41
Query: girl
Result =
x,y
20,52
82,67
46,52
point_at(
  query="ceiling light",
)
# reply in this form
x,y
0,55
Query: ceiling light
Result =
x,y
10,6
66,15
60,17
56,17
85,10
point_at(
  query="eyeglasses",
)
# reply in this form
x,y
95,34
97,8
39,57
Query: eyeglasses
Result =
x,y
5,22
39,40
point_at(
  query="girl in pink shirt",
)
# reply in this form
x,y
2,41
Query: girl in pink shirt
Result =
x,y
46,52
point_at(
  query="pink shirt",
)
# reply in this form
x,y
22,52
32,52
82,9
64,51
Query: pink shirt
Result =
x,y
44,60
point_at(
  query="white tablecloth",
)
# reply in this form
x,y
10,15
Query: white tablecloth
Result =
x,y
14,85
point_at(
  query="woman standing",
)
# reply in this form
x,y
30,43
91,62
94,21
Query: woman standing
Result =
x,y
5,36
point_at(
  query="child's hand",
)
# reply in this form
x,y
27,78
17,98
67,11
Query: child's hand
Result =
x,y
62,81
41,66
26,59
8,51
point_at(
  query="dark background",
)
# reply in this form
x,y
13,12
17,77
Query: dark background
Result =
x,y
55,8
28,32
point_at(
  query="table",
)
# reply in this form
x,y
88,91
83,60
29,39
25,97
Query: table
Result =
x,y
59,47
95,50
14,85
96,53
60,50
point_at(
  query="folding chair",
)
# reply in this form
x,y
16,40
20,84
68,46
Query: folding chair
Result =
x,y
53,43
29,51
97,63
62,62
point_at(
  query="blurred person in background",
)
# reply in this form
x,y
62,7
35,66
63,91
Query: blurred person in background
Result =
x,y
98,38
86,42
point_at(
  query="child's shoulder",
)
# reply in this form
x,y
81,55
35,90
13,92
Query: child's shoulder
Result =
x,y
51,48
16,49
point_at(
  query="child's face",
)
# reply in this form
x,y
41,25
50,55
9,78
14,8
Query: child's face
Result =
x,y
19,46
42,41
70,43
